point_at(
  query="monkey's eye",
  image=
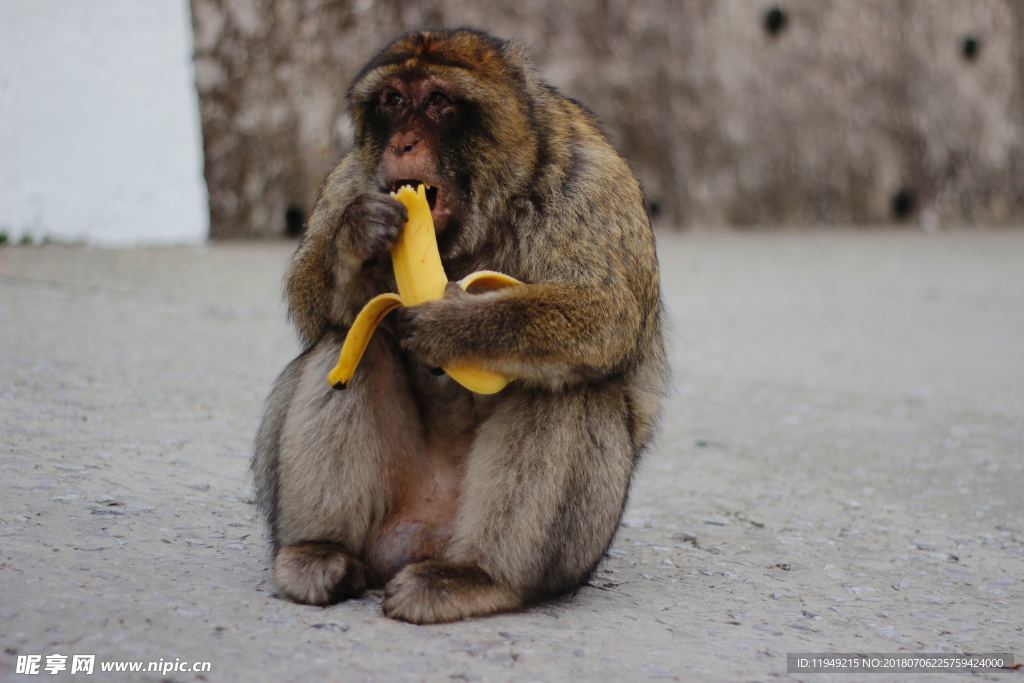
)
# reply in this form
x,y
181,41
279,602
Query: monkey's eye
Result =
x,y
393,99
437,99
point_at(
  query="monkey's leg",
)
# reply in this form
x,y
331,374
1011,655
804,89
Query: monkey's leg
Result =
x,y
331,478
543,492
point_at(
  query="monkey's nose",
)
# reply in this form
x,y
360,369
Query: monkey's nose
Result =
x,y
404,147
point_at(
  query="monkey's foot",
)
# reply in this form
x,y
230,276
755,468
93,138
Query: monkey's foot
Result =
x,y
434,591
318,573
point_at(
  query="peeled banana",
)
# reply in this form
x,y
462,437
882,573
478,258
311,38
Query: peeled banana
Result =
x,y
420,278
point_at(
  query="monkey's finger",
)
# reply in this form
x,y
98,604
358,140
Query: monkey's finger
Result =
x,y
389,209
404,323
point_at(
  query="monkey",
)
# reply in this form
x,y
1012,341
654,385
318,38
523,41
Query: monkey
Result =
x,y
461,505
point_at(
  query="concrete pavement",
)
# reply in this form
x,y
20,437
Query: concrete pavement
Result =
x,y
840,468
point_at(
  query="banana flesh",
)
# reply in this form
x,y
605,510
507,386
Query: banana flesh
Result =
x,y
420,277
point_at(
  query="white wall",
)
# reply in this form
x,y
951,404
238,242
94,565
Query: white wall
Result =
x,y
99,122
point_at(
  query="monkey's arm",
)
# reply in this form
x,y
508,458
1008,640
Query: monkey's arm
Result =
x,y
330,276
547,334
593,306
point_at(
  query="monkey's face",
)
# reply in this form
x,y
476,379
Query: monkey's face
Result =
x,y
417,119
448,109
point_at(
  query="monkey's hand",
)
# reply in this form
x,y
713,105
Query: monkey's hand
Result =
x,y
425,330
370,226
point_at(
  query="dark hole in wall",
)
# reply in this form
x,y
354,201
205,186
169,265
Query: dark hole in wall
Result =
x,y
903,204
653,208
293,220
775,20
970,46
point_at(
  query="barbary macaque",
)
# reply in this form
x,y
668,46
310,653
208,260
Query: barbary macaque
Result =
x,y
458,504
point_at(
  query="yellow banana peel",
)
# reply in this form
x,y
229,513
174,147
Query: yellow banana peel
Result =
x,y
420,278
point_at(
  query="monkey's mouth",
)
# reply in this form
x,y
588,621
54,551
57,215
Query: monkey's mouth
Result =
x,y
414,184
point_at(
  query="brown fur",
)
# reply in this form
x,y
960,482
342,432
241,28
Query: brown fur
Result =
x,y
488,502
432,592
318,573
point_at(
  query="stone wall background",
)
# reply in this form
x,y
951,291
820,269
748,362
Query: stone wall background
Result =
x,y
733,112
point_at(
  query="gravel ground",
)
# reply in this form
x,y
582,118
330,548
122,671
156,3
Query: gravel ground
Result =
x,y
840,468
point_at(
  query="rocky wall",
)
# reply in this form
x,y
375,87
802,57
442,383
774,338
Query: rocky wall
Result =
x,y
733,112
